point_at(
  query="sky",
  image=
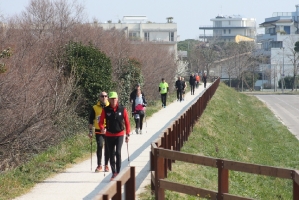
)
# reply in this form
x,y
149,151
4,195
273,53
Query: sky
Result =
x,y
188,14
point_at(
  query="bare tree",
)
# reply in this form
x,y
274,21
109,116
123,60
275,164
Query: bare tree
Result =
x,y
33,90
37,97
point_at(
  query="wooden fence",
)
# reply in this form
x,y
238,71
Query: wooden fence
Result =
x,y
113,190
166,150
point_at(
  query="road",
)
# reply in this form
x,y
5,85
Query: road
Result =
x,y
286,108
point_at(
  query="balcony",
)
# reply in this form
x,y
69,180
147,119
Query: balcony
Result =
x,y
211,27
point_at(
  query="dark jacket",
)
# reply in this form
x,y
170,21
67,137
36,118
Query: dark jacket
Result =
x,y
114,119
204,78
192,80
179,85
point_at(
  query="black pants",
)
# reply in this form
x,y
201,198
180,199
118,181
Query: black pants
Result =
x,y
204,84
179,94
100,138
163,99
114,146
192,88
139,121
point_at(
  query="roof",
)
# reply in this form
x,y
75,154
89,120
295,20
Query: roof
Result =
x,y
276,21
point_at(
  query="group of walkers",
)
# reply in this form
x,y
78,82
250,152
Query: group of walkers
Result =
x,y
194,81
110,120
111,124
180,86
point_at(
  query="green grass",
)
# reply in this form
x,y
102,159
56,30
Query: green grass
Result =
x,y
237,127
20,180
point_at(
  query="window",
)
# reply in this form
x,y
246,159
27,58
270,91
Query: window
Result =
x,y
146,36
228,22
217,32
218,24
276,44
224,31
171,36
272,31
133,34
229,31
287,29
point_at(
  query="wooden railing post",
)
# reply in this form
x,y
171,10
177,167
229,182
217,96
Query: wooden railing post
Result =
x,y
159,174
164,142
170,144
180,134
222,178
176,135
118,191
295,177
130,185
153,168
105,197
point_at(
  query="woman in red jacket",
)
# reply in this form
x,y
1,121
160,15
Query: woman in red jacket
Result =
x,y
117,125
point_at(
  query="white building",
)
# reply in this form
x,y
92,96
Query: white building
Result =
x,y
226,28
281,33
138,29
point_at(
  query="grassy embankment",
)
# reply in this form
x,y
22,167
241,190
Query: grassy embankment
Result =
x,y
72,150
237,127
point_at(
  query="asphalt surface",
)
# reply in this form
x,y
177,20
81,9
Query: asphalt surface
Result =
x,y
286,109
81,182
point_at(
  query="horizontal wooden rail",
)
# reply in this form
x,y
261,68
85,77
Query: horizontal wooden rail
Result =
x,y
113,190
225,165
185,157
186,189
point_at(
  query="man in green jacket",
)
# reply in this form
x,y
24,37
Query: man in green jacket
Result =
x,y
163,89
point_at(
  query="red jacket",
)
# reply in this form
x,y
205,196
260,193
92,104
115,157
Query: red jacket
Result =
x,y
127,123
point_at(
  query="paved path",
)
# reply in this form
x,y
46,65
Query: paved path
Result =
x,y
79,182
286,108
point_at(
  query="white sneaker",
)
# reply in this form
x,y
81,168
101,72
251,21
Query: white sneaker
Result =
x,y
140,131
136,130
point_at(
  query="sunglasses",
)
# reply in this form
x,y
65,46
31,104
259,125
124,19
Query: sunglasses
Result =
x,y
103,96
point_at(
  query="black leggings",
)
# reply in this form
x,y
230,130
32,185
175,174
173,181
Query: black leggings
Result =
x,y
192,88
163,99
114,146
100,138
139,121
179,94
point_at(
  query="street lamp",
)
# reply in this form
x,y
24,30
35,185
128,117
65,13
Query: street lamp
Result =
x,y
282,80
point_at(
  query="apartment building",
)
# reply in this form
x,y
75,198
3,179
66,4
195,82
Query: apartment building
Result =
x,y
139,29
281,33
226,28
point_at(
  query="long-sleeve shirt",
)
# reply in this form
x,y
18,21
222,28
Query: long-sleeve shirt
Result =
x,y
126,119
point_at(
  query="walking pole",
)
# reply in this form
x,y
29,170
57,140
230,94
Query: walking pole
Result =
x,y
128,154
145,120
90,154
104,154
90,136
